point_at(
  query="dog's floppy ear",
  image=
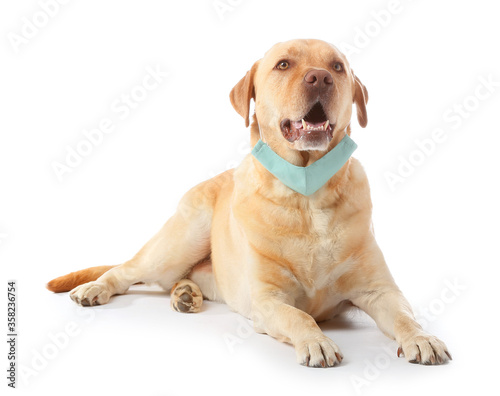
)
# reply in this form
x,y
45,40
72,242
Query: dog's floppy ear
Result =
x,y
243,92
360,97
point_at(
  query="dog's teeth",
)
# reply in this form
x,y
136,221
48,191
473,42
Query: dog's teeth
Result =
x,y
308,127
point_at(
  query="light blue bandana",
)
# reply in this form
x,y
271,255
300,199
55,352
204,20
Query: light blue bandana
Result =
x,y
305,180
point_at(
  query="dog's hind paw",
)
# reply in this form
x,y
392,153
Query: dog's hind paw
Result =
x,y
89,294
186,297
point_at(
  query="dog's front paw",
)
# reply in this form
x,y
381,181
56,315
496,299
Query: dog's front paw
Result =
x,y
89,294
424,349
318,351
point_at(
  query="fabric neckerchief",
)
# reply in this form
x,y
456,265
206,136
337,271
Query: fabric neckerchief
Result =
x,y
305,180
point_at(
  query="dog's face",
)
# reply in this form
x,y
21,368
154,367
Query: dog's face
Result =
x,y
303,92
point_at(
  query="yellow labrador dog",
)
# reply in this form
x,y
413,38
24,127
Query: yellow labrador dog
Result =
x,y
282,257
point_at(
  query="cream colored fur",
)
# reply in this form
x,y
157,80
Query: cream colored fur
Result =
x,y
282,259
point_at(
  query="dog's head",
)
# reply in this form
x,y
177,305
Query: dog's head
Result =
x,y
303,92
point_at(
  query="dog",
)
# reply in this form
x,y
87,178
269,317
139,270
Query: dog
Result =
x,y
284,256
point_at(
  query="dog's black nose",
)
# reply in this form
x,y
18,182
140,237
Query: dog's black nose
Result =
x,y
318,78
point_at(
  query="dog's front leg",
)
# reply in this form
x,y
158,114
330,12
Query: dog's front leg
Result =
x,y
274,314
393,315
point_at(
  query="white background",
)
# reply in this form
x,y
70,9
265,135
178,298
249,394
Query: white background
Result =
x,y
438,227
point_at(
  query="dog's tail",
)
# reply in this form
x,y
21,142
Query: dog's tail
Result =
x,y
68,282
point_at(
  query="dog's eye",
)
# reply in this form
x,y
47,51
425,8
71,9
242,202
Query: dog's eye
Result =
x,y
338,66
282,65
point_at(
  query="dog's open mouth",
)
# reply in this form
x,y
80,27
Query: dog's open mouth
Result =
x,y
313,125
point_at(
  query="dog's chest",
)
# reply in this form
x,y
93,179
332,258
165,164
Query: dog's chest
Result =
x,y
315,250
323,236
318,261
